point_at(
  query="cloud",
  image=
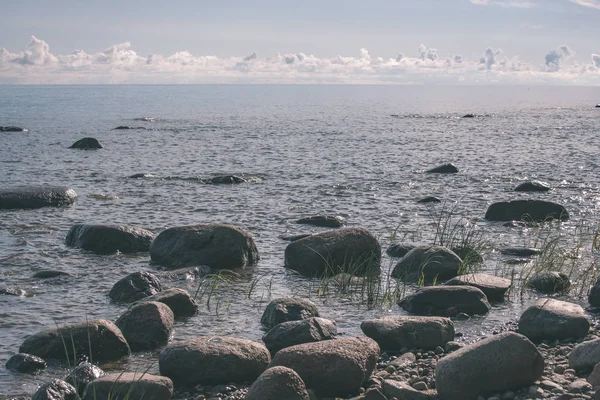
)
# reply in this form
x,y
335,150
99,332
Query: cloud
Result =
x,y
506,3
587,3
120,63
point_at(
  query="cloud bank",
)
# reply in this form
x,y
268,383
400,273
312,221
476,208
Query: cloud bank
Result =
x,y
121,64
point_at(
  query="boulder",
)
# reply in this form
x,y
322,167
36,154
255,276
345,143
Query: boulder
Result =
x,y
594,295
468,116
108,239
146,325
291,333
213,360
7,291
399,249
12,129
393,333
585,355
532,186
226,179
278,383
326,221
350,250
429,199
100,337
427,263
467,254
333,368
135,287
56,390
520,251
83,374
494,365
87,143
216,245
443,169
549,282
286,309
129,386
553,319
594,378
446,301
25,363
529,210
178,300
494,287
36,197
399,390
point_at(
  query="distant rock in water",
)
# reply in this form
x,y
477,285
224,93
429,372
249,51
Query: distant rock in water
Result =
x,y
108,239
326,221
142,176
532,186
36,197
12,292
520,251
443,169
145,119
468,116
226,179
429,199
99,196
123,127
12,129
48,273
293,238
528,210
394,115
87,143
597,105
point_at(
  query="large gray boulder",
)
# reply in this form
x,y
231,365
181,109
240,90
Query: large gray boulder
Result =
x,y
351,250
549,282
430,263
108,239
146,325
585,355
178,300
528,210
392,333
25,363
216,245
134,287
333,368
292,333
446,301
129,386
36,197
532,186
98,340
554,319
213,360
494,287
278,383
494,365
286,309
56,390
87,143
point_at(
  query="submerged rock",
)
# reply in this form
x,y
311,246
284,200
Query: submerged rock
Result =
x,y
135,287
216,245
7,291
293,238
278,383
528,210
25,363
468,116
87,143
12,129
397,332
398,250
286,309
83,374
532,186
443,169
124,127
108,239
549,282
48,273
554,319
291,333
494,287
141,175
429,199
226,179
326,221
428,263
56,390
129,386
351,250
520,251
446,301
178,300
36,197
146,325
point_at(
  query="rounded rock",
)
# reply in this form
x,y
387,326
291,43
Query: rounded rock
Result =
x,y
146,325
446,301
83,374
178,300
494,287
288,309
56,390
554,319
135,287
528,210
291,333
87,143
550,282
129,385
108,239
36,197
25,363
278,383
393,333
428,263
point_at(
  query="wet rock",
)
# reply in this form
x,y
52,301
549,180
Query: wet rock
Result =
x,y
332,368
36,197
108,239
145,119
12,129
429,199
397,332
467,254
553,319
345,250
291,333
25,363
125,127
494,287
56,390
226,179
141,176
326,221
127,385
468,116
100,337
135,287
594,377
83,374
428,263
87,143
212,360
178,300
532,186
7,291
146,325
585,355
520,251
549,282
288,309
293,238
278,383
594,295
48,273
446,301
444,169
399,249
528,210
452,346
494,365
394,389
216,245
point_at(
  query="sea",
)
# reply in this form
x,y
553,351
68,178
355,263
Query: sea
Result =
x,y
359,152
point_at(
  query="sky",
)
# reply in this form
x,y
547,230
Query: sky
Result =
x,y
530,42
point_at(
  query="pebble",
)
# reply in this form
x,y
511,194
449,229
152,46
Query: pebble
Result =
x,y
579,386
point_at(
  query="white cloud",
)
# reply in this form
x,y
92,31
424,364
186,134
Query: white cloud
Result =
x,y
506,3
587,3
121,64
